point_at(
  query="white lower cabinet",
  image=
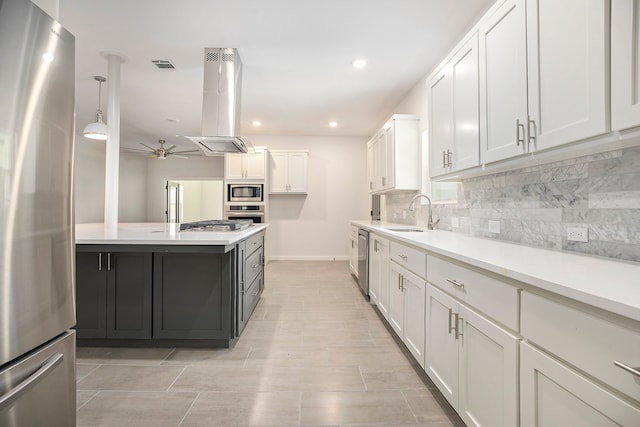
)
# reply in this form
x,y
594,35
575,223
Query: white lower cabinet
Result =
x,y
379,272
407,309
472,361
552,394
353,250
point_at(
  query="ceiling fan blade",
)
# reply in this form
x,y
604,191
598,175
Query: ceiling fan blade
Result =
x,y
186,152
170,148
179,156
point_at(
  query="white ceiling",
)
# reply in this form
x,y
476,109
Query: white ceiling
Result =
x,y
296,54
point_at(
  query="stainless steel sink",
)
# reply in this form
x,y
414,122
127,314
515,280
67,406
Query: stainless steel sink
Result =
x,y
406,230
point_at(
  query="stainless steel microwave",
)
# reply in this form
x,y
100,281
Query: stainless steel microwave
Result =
x,y
245,192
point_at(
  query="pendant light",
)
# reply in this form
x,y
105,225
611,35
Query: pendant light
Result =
x,y
98,129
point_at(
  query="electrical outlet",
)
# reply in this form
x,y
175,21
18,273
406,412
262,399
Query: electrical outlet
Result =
x,y
494,227
455,222
578,234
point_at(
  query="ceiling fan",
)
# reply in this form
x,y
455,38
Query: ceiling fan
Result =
x,y
161,153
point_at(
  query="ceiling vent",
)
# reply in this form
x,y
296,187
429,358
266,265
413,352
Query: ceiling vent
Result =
x,y
163,64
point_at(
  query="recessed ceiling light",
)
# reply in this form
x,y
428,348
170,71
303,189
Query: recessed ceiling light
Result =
x,y
47,57
256,123
172,120
359,63
333,124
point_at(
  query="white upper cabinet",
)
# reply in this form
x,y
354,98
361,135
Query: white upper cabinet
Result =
x,y
567,44
453,97
249,167
288,172
393,155
503,82
625,64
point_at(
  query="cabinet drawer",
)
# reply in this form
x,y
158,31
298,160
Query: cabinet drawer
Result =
x,y
584,340
254,265
254,242
410,258
252,296
496,299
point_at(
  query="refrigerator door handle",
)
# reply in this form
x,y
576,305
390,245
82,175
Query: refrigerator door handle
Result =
x,y
12,395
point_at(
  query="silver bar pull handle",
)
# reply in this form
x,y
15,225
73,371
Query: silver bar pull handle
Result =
x,y
456,284
404,257
449,155
100,261
444,158
634,371
108,261
450,323
253,294
7,399
531,136
518,138
458,328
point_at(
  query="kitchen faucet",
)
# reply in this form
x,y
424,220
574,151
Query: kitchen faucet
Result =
x,y
412,207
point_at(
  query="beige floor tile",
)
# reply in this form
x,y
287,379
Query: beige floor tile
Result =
x,y
244,409
321,378
425,406
355,408
131,378
125,356
214,378
82,397
135,409
399,378
211,356
82,370
288,357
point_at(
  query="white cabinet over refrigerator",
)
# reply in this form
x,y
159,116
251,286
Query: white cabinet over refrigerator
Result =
x,y
288,172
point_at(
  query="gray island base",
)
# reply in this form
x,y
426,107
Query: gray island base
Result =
x,y
195,292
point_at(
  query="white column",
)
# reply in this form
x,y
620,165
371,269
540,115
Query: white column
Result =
x,y
112,169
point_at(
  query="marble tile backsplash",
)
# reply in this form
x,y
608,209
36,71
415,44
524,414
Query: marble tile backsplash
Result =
x,y
536,205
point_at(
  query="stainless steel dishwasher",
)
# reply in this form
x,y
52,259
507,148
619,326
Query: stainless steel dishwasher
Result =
x,y
363,261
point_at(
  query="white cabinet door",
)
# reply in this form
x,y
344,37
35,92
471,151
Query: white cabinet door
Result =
x,y
488,368
389,159
288,172
378,267
503,82
371,165
414,314
441,121
441,346
279,172
625,64
298,172
384,294
466,132
380,162
254,165
233,166
353,253
551,394
567,45
396,300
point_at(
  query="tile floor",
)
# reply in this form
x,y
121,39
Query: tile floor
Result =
x,y
314,353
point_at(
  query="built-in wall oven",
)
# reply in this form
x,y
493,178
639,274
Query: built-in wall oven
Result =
x,y
250,193
245,211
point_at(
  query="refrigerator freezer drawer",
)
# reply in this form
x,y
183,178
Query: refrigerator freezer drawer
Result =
x,y
39,389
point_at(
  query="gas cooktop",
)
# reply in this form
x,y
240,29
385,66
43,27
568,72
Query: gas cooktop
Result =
x,y
217,225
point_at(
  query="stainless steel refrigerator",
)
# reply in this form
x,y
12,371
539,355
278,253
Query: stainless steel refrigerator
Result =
x,y
37,306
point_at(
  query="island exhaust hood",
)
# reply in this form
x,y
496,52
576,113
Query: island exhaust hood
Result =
x,y
221,104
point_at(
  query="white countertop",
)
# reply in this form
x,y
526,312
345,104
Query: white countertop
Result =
x,y
152,233
610,285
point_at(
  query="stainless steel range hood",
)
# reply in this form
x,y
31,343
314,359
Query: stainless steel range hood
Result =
x,y
221,104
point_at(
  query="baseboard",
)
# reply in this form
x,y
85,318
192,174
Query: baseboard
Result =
x,y
308,258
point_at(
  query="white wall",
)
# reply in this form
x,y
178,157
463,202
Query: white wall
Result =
x,y
158,171
316,226
89,184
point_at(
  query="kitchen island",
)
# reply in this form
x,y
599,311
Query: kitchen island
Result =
x,y
150,284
